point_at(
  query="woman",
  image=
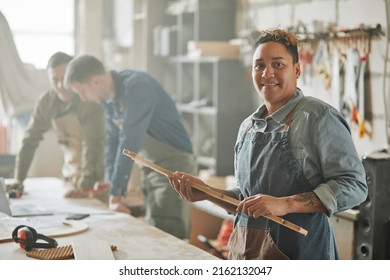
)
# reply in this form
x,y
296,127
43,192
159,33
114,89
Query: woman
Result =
x,y
294,158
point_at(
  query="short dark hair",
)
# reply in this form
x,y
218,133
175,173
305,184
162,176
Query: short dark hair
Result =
x,y
57,59
288,39
81,69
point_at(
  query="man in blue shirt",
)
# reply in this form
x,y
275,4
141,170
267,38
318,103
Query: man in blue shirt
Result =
x,y
141,117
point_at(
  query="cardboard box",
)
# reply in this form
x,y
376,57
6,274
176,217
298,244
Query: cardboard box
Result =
x,y
219,182
222,49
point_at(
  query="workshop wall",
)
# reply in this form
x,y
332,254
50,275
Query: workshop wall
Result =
x,y
316,16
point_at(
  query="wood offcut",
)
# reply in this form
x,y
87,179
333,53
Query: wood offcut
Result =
x,y
210,191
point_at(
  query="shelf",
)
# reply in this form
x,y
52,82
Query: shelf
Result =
x,y
212,209
188,59
140,16
208,111
200,59
209,97
146,16
208,90
207,161
197,110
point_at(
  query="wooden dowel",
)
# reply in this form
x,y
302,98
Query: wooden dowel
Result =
x,y
210,191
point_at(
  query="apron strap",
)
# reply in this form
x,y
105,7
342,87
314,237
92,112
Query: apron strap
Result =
x,y
290,116
289,119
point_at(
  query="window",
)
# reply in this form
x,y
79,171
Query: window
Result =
x,y
40,28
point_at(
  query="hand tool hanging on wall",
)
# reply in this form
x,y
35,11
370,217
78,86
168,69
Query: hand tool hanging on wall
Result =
x,y
322,63
350,98
305,52
211,192
354,95
363,47
305,59
361,100
336,79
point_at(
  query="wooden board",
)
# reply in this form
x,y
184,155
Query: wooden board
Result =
x,y
211,192
59,253
67,228
92,249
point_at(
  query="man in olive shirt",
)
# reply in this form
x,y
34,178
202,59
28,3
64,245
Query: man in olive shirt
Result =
x,y
79,128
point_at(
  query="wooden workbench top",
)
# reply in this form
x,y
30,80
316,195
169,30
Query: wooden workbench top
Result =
x,y
134,239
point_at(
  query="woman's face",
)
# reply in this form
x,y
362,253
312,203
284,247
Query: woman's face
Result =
x,y
274,74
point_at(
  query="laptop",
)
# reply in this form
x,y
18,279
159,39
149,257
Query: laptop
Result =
x,y
25,210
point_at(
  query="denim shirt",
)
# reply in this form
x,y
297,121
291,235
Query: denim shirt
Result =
x,y
140,106
320,140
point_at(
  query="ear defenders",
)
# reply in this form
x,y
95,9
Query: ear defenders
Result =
x,y
27,236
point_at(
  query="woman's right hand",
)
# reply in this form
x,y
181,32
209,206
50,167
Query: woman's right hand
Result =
x,y
182,183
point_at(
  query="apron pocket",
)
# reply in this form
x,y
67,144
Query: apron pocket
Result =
x,y
253,244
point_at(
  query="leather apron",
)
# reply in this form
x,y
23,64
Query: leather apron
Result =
x,y
266,165
69,134
164,208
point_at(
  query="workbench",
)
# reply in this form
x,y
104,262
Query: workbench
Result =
x,y
133,238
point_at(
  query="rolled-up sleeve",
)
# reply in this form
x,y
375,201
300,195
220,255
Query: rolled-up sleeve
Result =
x,y
344,184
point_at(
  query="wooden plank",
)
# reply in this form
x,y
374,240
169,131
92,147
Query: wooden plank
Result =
x,y
92,249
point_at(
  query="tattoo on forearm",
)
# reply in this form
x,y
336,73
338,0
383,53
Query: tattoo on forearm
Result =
x,y
310,199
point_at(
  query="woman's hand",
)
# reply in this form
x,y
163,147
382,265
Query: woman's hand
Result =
x,y
262,205
182,183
